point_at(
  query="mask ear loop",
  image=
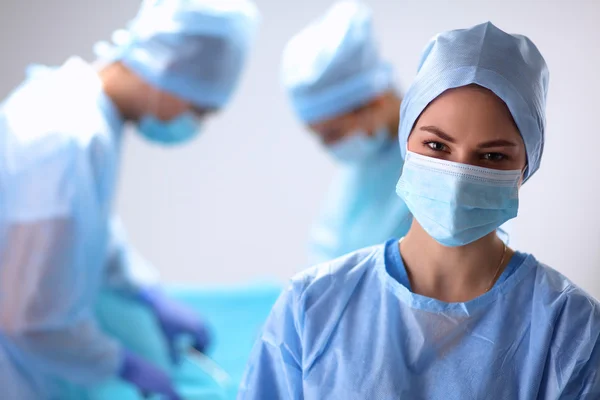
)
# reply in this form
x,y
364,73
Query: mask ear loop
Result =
x,y
524,173
502,233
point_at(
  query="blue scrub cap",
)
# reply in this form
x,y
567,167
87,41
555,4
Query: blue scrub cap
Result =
x,y
511,66
194,49
333,66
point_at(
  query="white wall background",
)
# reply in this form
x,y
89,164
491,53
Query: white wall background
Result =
x,y
238,203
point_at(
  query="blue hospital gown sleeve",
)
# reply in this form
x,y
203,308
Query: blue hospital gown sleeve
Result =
x,y
274,370
585,383
52,251
45,312
57,179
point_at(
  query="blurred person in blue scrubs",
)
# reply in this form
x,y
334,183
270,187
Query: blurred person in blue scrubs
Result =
x,y
344,92
449,311
61,134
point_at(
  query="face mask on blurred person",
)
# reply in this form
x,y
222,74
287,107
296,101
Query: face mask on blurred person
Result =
x,y
179,130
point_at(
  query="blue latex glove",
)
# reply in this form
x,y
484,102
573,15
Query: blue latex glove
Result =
x,y
146,377
176,320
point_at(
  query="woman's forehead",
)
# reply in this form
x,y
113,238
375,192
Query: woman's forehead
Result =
x,y
470,109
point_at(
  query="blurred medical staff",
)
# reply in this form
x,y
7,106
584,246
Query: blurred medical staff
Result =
x,y
340,87
61,134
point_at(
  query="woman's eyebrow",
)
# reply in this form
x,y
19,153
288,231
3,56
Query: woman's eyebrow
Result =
x,y
497,143
438,132
486,145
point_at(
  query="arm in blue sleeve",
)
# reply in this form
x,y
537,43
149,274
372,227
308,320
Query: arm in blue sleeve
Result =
x,y
46,306
275,367
585,384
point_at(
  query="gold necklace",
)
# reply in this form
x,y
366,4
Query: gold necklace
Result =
x,y
497,270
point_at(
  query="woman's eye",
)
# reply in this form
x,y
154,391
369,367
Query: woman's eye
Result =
x,y
494,157
436,146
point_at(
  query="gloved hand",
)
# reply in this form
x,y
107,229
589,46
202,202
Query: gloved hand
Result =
x,y
176,320
146,377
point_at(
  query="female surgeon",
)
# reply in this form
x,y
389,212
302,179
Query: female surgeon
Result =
x,y
448,312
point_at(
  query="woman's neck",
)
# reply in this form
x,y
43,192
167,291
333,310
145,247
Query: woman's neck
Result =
x,y
452,274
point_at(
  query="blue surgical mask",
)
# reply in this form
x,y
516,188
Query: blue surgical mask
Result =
x,y
359,147
457,203
176,131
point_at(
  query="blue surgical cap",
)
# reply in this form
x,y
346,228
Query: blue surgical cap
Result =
x,y
333,66
194,49
511,66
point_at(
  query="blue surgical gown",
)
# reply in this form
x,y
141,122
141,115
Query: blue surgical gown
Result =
x,y
59,246
352,329
361,208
